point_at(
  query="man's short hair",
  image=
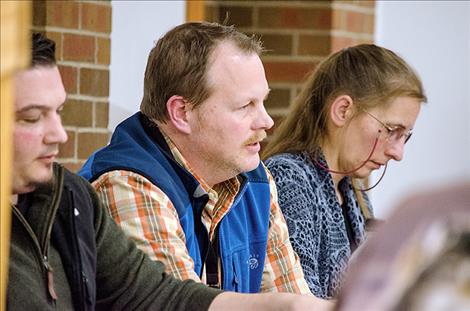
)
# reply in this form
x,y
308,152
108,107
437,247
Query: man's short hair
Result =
x,y
179,62
42,51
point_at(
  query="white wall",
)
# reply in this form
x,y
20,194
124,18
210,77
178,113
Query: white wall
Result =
x,y
136,25
434,37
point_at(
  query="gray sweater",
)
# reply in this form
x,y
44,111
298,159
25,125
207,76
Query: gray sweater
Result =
x,y
315,219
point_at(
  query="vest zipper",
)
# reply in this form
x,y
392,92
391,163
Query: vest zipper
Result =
x,y
50,279
44,256
55,206
44,259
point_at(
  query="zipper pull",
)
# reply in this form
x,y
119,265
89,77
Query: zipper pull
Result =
x,y
50,280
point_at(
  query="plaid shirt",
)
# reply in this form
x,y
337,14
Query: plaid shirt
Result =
x,y
147,216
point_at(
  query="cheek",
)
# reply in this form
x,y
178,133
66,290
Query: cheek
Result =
x,y
25,141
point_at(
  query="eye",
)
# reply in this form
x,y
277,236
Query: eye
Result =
x,y
244,107
396,133
29,118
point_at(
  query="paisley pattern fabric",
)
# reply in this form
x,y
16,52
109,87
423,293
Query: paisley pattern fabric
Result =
x,y
315,219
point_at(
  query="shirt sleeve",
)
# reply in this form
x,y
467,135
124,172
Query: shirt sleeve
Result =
x,y
126,279
147,216
282,270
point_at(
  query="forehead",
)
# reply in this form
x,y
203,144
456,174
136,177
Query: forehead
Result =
x,y
40,86
231,70
400,111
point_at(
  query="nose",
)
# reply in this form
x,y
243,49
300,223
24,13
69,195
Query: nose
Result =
x,y
395,150
264,120
55,133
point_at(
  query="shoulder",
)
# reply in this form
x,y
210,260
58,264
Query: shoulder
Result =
x,y
119,176
75,182
83,194
289,164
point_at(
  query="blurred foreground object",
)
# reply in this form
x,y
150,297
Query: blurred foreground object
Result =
x,y
419,259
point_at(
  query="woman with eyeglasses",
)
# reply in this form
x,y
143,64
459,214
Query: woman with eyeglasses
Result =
x,y
355,113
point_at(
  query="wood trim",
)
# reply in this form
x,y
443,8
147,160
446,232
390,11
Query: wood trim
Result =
x,y
195,10
15,49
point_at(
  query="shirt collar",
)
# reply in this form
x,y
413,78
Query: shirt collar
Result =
x,y
232,185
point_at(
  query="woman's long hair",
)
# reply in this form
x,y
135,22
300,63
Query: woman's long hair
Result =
x,y
369,74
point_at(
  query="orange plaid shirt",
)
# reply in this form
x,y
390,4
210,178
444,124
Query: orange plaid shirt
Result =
x,y
148,217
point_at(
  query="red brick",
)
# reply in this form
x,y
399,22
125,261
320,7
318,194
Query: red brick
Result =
x,y
90,142
211,13
287,71
278,98
73,166
101,115
77,113
314,45
285,17
69,78
369,24
365,3
62,14
94,82
67,150
338,19
363,41
79,48
96,17
338,43
354,21
238,16
104,51
277,44
39,13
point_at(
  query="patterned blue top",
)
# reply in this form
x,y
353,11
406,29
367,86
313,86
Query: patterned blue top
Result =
x,y
315,219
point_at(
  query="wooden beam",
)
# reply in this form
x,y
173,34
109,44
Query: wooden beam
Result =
x,y
195,10
15,55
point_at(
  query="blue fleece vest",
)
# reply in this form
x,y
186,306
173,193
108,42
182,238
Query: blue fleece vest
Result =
x,y
243,232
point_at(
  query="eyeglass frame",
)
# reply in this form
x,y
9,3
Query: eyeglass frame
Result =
x,y
390,130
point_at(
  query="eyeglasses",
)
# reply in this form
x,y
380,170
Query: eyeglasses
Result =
x,y
394,134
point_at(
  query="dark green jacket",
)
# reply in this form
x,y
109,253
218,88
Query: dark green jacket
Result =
x,y
66,246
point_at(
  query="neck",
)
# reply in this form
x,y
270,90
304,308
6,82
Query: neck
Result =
x,y
331,158
211,175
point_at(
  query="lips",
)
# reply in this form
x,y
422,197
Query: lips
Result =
x,y
254,147
51,155
256,139
48,158
377,164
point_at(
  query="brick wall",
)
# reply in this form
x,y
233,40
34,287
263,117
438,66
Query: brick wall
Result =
x,y
297,35
81,30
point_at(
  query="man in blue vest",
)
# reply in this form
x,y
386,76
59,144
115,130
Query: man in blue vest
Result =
x,y
183,177
66,253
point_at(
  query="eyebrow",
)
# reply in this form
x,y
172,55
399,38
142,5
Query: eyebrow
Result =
x,y
37,106
398,125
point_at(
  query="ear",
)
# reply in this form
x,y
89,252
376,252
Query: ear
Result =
x,y
341,110
177,109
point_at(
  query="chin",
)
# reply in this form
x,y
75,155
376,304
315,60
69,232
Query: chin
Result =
x,y
43,176
251,166
362,173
